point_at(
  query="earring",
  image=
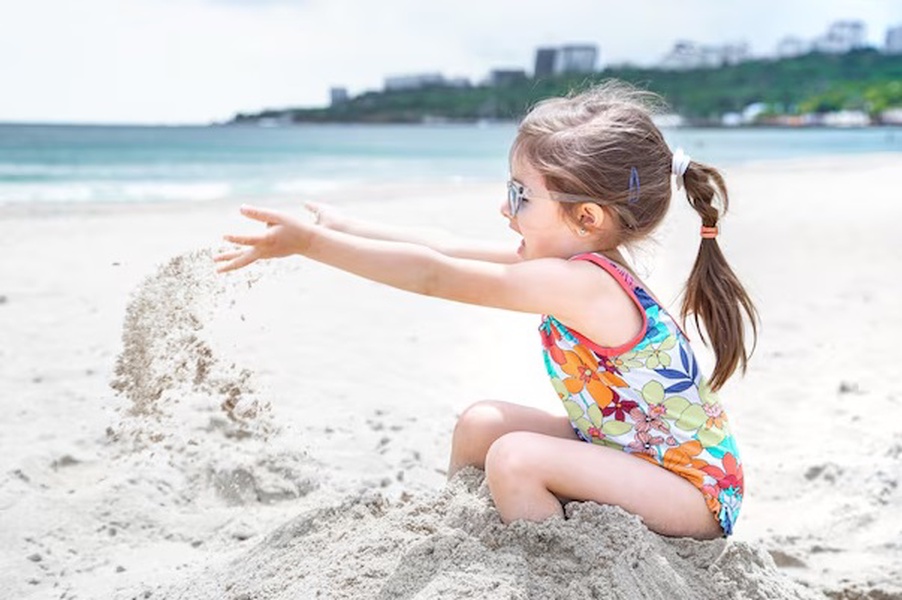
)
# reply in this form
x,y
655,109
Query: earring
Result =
x,y
582,231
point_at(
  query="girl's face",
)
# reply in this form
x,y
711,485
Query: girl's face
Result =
x,y
546,233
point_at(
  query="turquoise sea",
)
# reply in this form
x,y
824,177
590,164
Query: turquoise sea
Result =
x,y
75,163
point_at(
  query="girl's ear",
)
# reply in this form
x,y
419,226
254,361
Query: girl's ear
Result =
x,y
591,215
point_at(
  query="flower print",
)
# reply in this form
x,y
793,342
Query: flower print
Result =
x,y
682,461
596,433
607,364
644,444
705,393
730,476
582,367
656,356
650,420
715,415
710,492
562,392
655,331
619,408
644,299
550,336
625,362
730,501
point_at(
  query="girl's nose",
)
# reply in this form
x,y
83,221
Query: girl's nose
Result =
x,y
505,210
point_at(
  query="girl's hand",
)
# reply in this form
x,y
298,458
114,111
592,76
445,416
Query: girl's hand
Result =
x,y
285,235
325,216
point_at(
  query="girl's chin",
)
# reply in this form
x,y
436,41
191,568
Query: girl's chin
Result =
x,y
521,248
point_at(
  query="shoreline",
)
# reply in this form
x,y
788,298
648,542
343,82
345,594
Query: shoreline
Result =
x,y
386,190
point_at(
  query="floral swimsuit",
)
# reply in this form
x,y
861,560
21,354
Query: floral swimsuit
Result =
x,y
647,397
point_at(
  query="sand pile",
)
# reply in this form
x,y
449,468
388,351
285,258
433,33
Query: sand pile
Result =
x,y
453,545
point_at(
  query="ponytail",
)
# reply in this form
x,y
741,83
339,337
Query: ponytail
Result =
x,y
713,292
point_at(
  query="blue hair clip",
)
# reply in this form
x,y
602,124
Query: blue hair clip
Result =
x,y
634,186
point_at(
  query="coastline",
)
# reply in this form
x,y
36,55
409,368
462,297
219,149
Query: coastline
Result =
x,y
810,415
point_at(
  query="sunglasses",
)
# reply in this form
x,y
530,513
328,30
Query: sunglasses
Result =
x,y
517,193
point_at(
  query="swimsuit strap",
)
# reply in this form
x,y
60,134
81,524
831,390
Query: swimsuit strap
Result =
x,y
628,283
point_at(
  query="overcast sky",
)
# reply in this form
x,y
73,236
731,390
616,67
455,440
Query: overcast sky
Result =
x,y
196,61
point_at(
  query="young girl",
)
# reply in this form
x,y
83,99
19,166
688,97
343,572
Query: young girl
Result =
x,y
590,174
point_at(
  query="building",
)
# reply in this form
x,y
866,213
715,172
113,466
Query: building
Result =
x,y
413,82
689,55
501,77
545,59
574,58
841,37
338,95
894,40
790,47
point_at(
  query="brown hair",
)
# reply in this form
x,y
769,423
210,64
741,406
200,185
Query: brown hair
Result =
x,y
588,143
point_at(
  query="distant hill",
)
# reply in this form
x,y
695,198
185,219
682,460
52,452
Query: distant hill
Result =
x,y
859,80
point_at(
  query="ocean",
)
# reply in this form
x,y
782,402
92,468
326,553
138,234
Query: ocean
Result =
x,y
80,163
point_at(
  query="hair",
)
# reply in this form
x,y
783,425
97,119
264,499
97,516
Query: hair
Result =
x,y
588,143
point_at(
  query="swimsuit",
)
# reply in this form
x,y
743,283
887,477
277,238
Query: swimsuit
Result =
x,y
647,397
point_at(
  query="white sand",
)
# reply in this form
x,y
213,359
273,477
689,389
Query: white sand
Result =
x,y
282,432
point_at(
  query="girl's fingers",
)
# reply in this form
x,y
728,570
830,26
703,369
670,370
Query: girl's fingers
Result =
x,y
243,260
244,240
227,255
261,214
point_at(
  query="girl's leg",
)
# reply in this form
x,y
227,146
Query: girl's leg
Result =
x,y
527,473
484,422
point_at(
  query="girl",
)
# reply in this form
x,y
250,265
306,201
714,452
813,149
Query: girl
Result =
x,y
590,173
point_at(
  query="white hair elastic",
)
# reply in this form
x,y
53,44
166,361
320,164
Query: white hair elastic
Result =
x,y
681,162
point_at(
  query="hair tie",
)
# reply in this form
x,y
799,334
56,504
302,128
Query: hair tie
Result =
x,y
709,233
680,163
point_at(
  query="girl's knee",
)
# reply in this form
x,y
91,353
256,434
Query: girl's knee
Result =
x,y
510,460
479,420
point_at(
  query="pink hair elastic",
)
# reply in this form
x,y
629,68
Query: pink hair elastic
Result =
x,y
709,232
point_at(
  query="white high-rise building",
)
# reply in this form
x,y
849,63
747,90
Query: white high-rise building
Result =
x,y
689,55
841,37
894,40
576,59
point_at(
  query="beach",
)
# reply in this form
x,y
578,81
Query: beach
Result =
x,y
283,431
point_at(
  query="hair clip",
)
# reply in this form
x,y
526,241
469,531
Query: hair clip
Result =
x,y
634,186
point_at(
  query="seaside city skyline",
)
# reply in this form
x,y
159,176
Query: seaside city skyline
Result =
x,y
202,61
575,58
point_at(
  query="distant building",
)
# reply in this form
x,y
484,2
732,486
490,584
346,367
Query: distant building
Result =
x,y
790,47
413,82
338,95
689,55
894,40
502,77
545,59
574,58
458,82
891,116
841,37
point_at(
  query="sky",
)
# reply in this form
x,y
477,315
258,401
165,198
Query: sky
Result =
x,y
200,61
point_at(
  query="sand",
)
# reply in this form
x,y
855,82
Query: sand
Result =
x,y
282,432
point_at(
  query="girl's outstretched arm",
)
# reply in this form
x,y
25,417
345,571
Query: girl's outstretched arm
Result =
x,y
328,217
549,286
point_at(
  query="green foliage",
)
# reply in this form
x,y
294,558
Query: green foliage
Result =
x,y
862,79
